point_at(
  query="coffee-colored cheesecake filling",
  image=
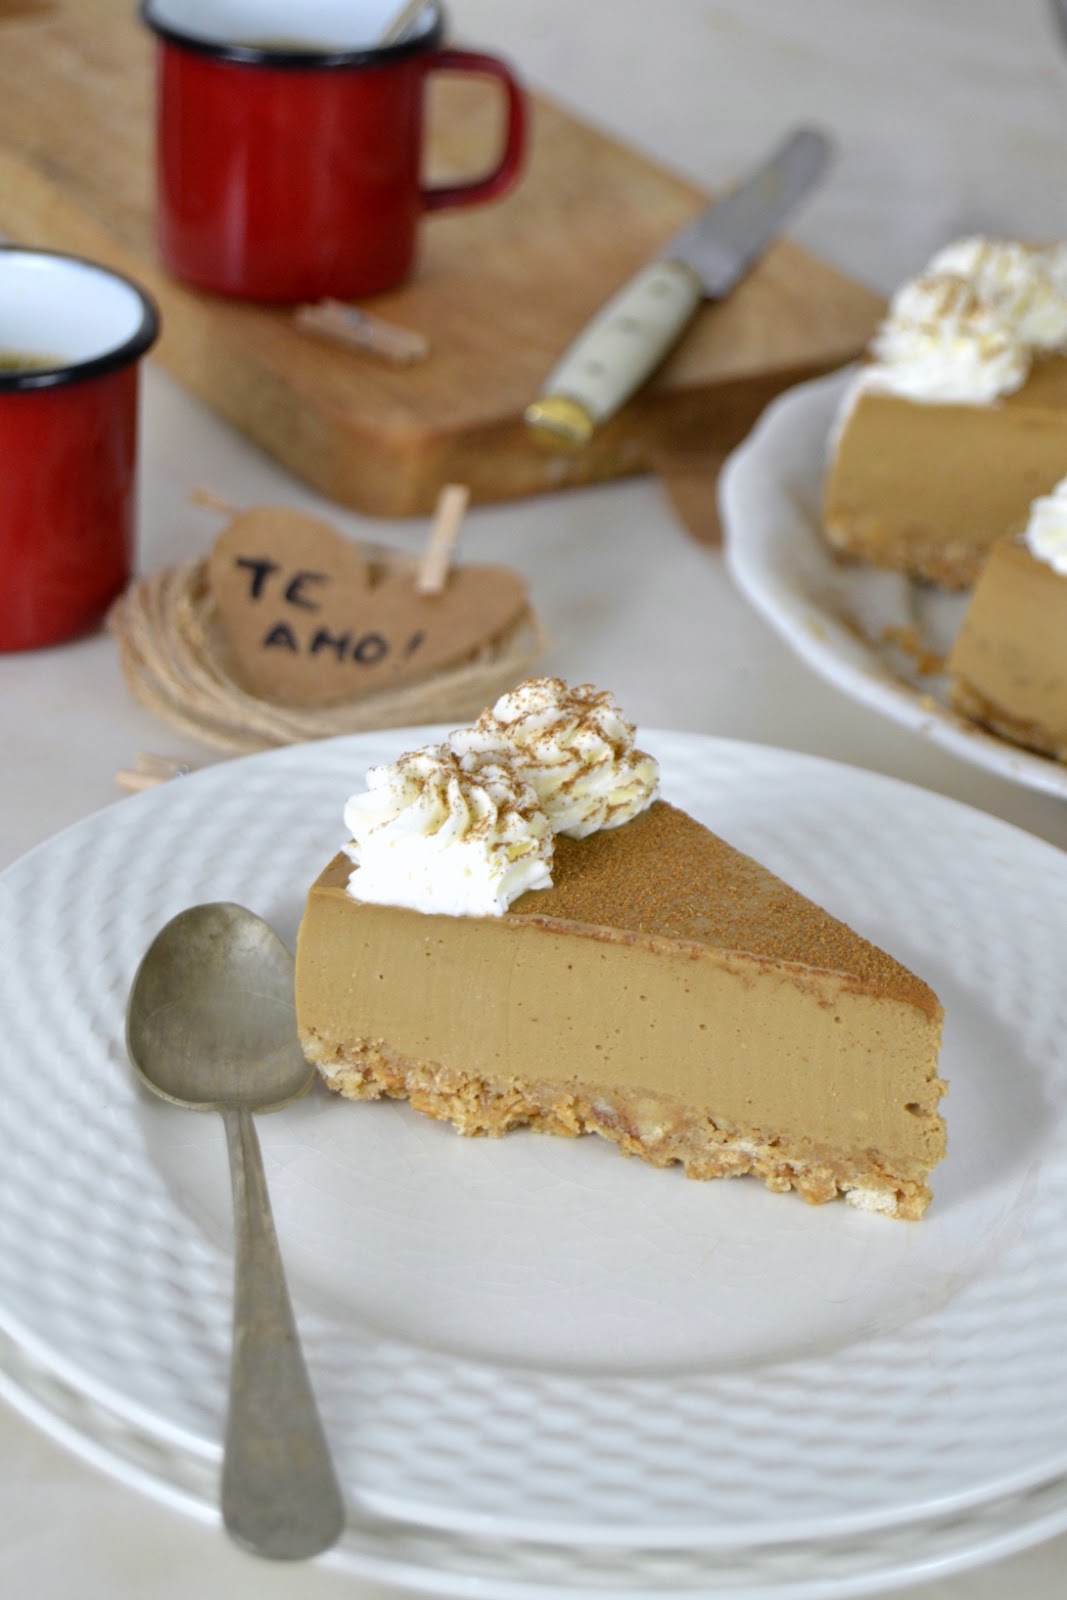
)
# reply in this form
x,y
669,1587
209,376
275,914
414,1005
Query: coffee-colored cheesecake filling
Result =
x,y
1008,667
928,488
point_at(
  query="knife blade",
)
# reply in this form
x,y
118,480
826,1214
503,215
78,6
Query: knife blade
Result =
x,y
630,336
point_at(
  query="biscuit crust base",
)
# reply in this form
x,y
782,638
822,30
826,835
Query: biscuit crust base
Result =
x,y
929,556
653,1127
972,704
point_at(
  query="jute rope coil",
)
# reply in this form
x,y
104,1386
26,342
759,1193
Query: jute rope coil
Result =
x,y
172,664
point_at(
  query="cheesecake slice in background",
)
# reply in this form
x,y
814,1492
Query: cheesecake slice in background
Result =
x,y
1008,666
959,419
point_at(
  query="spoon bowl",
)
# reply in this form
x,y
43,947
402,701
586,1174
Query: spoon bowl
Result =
x,y
211,1025
210,1021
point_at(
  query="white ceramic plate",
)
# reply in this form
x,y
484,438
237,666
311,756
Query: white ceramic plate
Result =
x,y
834,615
530,1340
470,1567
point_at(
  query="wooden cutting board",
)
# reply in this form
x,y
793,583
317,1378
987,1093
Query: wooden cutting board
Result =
x,y
500,290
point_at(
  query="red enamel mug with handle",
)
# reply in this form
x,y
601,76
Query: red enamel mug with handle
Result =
x,y
289,143
72,335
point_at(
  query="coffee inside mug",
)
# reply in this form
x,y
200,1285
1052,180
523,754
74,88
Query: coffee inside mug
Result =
x,y
330,26
62,319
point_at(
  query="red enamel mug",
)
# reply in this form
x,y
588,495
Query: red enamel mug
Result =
x,y
71,337
289,143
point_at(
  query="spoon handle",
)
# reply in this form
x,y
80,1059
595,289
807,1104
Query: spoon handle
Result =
x,y
280,1496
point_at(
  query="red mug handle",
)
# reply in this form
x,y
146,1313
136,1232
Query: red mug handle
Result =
x,y
507,169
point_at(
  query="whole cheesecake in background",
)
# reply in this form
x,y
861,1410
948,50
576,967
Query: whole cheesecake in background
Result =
x,y
531,936
1008,666
959,419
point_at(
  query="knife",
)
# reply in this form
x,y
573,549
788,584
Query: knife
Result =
x,y
629,338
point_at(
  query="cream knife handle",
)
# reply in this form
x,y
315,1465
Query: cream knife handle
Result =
x,y
617,351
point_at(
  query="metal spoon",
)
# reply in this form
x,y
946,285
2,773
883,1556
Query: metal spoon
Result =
x,y
211,1025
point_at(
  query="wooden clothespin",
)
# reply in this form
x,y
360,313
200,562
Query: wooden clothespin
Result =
x,y
214,502
451,508
358,330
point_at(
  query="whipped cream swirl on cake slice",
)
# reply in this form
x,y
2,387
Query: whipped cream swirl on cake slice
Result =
x,y
1018,283
1045,535
945,341
435,836
967,330
574,746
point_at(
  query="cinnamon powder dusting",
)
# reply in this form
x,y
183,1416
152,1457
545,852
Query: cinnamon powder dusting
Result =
x,y
665,875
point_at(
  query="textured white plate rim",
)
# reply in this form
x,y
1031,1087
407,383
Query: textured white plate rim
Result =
x,y
1000,1529
761,517
663,1535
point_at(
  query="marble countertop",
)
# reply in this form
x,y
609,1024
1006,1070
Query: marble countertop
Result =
x,y
950,119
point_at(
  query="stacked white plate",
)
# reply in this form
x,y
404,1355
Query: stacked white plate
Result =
x,y
544,1369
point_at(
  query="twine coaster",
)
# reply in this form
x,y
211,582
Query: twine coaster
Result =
x,y
173,665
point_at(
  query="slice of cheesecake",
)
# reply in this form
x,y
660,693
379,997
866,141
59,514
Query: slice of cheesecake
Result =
x,y
1008,666
927,488
666,992
959,419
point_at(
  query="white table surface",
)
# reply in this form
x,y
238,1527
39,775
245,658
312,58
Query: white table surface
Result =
x,y
952,118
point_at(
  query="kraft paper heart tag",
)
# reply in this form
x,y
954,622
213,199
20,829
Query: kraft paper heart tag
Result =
x,y
306,618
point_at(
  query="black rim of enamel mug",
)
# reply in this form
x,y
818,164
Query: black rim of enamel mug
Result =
x,y
289,60
131,349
